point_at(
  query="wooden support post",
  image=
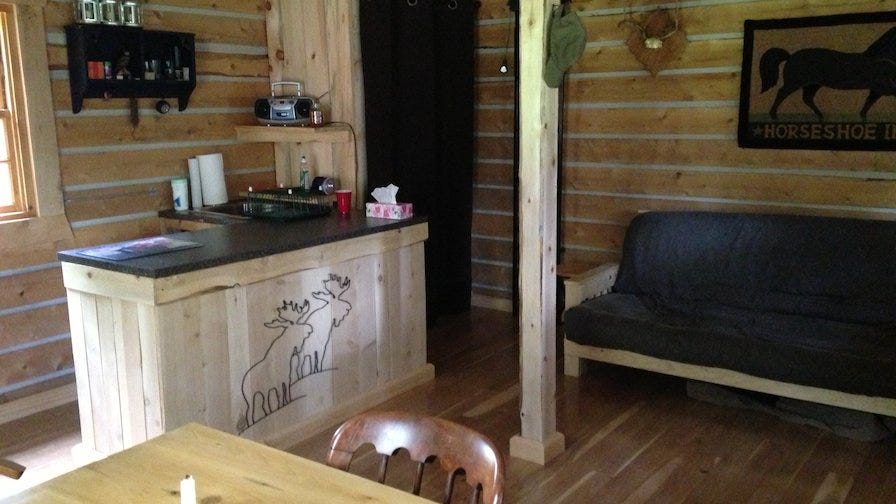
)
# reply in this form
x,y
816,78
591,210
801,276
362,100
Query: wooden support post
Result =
x,y
539,440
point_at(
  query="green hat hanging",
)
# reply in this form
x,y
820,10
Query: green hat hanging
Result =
x,y
566,43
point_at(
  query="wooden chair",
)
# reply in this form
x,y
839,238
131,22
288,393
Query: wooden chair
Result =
x,y
457,448
10,469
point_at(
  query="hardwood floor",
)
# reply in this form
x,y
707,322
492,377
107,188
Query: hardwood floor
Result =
x,y
631,436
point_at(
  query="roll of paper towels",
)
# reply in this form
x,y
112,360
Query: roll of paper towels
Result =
x,y
211,175
195,183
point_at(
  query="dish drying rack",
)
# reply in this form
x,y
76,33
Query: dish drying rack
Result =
x,y
286,203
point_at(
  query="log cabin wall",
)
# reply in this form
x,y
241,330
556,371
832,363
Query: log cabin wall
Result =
x,y
633,142
116,177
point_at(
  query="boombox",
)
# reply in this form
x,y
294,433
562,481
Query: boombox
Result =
x,y
285,109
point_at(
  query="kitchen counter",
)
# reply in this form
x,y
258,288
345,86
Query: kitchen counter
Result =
x,y
242,239
268,330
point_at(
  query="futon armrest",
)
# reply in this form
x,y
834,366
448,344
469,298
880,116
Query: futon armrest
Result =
x,y
589,284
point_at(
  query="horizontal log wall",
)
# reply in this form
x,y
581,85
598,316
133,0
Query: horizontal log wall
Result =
x,y
116,177
633,142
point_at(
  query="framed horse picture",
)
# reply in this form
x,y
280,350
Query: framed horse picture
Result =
x,y
826,82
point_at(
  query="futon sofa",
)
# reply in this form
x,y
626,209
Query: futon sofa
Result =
x,y
795,306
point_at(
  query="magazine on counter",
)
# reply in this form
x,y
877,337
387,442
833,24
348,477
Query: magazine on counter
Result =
x,y
138,248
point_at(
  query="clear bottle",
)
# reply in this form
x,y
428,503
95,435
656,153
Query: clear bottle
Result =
x,y
304,174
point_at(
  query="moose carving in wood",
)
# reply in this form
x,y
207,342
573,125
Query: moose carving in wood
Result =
x,y
656,39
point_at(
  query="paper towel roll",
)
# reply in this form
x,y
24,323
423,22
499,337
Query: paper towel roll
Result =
x,y
211,175
195,184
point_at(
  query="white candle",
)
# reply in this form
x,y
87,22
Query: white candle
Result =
x,y
188,490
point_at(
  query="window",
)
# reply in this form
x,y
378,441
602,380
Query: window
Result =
x,y
30,182
14,176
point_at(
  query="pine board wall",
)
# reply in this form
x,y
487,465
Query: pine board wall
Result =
x,y
633,142
116,177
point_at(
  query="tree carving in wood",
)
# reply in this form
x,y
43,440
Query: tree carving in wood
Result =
x,y
656,39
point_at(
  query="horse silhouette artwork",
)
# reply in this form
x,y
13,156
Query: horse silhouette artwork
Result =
x,y
298,352
813,68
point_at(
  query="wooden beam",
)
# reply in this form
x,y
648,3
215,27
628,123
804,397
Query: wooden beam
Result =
x,y
539,440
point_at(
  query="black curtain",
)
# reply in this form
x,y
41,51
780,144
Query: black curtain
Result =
x,y
417,58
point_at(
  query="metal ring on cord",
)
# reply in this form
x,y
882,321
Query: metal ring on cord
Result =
x,y
412,2
452,4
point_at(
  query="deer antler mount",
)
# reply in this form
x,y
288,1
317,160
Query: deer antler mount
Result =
x,y
656,39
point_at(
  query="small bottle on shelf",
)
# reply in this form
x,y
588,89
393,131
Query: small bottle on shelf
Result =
x,y
304,174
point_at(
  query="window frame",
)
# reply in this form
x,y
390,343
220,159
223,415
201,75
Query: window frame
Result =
x,y
21,173
38,145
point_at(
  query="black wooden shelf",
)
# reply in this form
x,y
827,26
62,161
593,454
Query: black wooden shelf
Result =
x,y
109,43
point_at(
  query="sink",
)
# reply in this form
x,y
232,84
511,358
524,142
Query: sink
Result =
x,y
231,208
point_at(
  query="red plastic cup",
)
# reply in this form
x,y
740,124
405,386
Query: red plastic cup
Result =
x,y
344,201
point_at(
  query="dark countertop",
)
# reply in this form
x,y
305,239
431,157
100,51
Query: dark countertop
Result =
x,y
243,240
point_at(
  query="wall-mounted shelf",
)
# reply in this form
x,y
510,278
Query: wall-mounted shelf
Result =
x,y
174,51
332,146
333,133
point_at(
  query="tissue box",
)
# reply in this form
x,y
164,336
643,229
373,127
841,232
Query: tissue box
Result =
x,y
390,210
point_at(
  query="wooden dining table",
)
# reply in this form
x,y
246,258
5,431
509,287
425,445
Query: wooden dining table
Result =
x,y
226,469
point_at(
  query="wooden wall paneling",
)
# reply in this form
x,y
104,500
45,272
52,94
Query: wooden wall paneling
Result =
x,y
81,130
493,147
33,255
320,50
679,181
493,92
699,54
33,325
664,87
492,10
697,120
493,275
491,224
494,120
209,93
346,93
499,172
621,208
237,6
719,152
224,29
116,231
121,200
602,21
492,248
103,167
31,362
31,287
494,198
600,235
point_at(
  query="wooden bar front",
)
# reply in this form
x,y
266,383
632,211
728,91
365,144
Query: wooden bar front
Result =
x,y
271,348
